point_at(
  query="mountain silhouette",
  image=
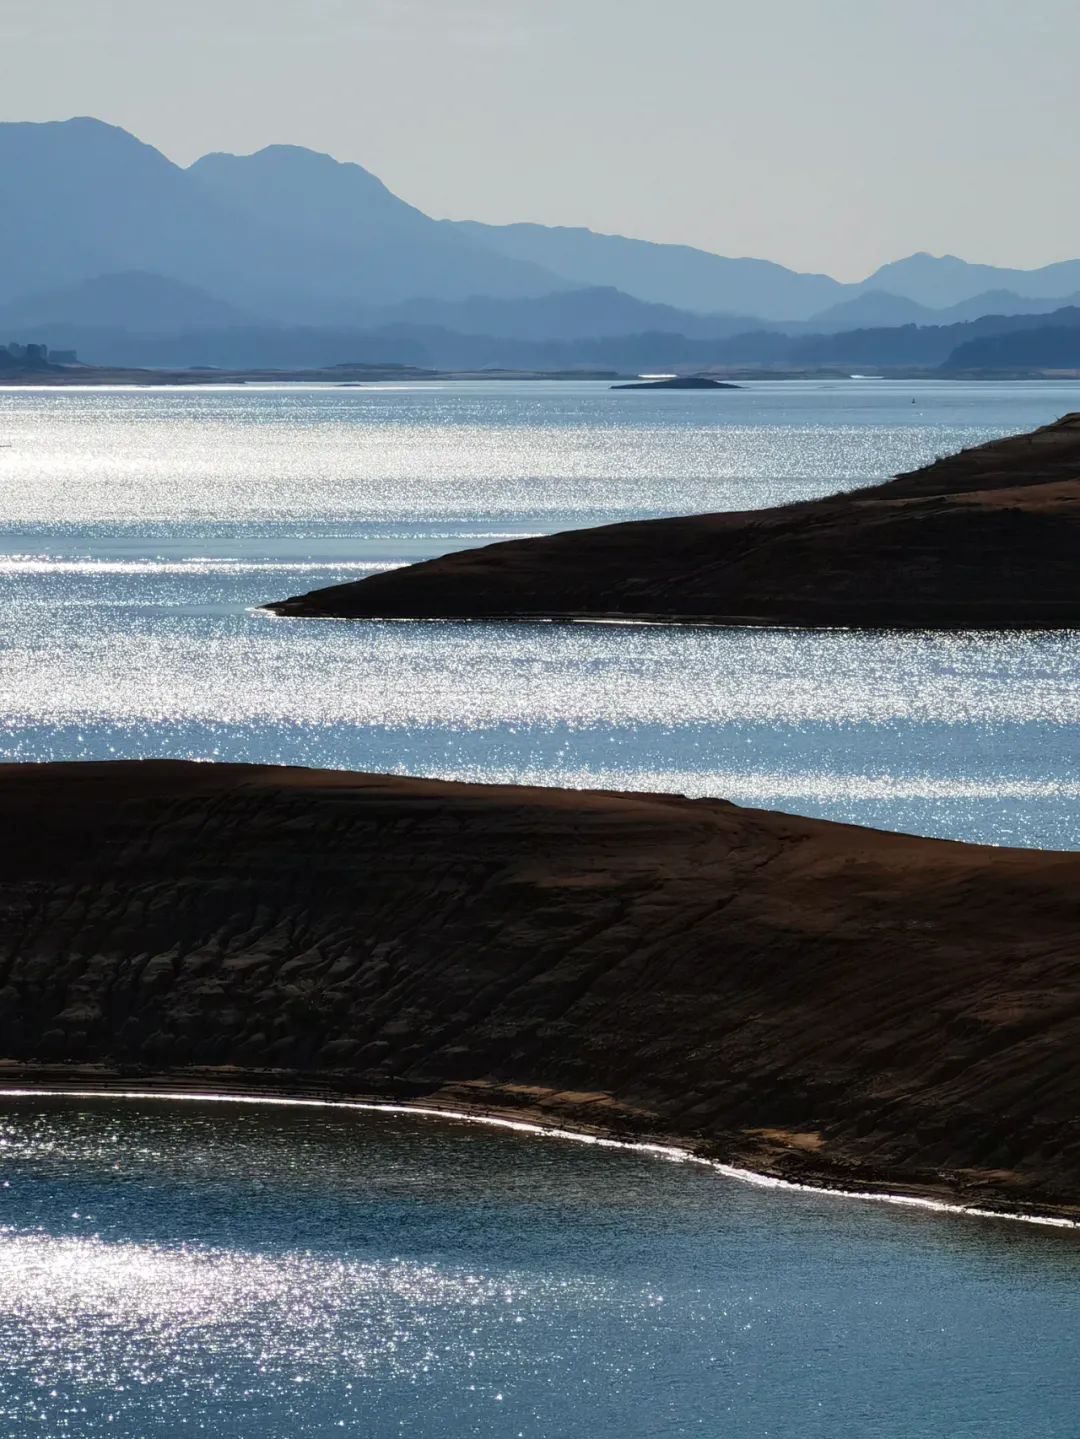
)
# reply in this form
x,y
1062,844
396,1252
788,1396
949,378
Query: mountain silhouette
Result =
x,y
943,280
566,315
1051,347
90,199
105,236
676,275
287,233
369,245
133,300
876,308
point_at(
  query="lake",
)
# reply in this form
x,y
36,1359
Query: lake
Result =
x,y
275,1272
272,1273
139,529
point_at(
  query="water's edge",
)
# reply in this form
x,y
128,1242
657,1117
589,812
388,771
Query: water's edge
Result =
x,y
546,1114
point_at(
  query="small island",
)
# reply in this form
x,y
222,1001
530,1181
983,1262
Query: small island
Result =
x,y
813,1001
679,382
985,539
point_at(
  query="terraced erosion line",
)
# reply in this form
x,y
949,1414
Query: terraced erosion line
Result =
x,y
987,538
817,1002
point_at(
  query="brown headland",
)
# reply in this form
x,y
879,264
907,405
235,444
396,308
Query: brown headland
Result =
x,y
815,1001
988,538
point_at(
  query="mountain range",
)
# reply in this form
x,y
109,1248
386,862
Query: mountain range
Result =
x,y
104,237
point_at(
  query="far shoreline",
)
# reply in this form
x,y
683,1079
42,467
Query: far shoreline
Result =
x,y
349,377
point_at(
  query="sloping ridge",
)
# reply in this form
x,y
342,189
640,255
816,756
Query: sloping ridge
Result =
x,y
809,999
986,538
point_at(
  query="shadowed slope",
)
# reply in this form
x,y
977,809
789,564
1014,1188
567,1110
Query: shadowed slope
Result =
x,y
987,538
807,998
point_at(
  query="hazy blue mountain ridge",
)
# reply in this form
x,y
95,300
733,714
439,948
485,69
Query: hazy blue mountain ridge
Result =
x,y
143,303
90,200
1049,347
876,308
436,347
943,280
103,235
568,314
131,300
677,275
695,279
371,245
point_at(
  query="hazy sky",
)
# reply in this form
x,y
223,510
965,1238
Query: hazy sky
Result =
x,y
827,134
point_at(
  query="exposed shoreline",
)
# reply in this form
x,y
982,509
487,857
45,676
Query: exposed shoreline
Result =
x,y
985,539
28,1082
811,1002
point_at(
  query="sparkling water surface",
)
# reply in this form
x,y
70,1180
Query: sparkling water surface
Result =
x,y
270,1274
264,1274
140,529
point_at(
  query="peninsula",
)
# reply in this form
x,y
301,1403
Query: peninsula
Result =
x,y
809,1000
987,538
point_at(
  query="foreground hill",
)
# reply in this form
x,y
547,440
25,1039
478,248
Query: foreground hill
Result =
x,y
987,538
812,1000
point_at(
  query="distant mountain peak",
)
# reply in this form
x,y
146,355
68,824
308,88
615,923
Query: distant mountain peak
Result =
x,y
88,124
677,275
295,157
299,236
315,181
75,133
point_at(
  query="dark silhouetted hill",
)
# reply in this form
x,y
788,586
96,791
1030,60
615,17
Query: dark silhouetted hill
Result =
x,y
875,309
291,347
908,345
431,346
1049,347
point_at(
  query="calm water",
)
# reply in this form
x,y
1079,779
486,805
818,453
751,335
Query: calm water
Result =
x,y
271,1274
138,529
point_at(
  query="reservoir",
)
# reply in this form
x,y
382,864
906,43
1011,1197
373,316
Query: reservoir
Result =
x,y
141,529
265,1272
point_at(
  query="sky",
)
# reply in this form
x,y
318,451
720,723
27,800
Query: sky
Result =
x,y
829,135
